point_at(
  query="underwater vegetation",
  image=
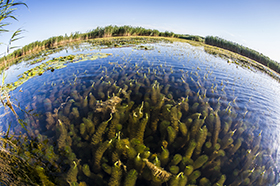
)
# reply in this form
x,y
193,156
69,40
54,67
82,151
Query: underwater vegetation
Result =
x,y
53,64
141,122
38,47
25,161
99,32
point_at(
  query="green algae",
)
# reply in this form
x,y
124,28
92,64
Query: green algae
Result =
x,y
51,65
142,47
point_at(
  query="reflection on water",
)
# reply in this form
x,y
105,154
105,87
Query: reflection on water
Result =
x,y
155,113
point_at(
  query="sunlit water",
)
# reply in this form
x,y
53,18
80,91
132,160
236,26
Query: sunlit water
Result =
x,y
252,95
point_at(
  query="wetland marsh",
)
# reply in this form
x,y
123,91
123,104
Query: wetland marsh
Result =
x,y
149,113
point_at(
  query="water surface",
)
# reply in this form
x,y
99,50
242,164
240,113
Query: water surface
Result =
x,y
154,82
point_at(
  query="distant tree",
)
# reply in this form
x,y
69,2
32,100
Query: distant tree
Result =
x,y
245,51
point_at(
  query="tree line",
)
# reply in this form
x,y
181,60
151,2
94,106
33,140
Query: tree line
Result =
x,y
99,32
113,30
244,51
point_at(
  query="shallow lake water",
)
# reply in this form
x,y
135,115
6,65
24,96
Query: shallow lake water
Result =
x,y
152,113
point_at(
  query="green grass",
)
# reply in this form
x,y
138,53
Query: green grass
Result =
x,y
244,51
114,36
99,32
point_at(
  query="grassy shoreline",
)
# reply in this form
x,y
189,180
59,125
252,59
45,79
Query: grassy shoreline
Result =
x,y
58,162
111,31
214,50
123,41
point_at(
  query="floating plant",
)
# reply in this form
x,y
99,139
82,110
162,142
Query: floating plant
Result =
x,y
55,63
139,120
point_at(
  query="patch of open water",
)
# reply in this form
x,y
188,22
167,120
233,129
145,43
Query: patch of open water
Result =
x,y
221,118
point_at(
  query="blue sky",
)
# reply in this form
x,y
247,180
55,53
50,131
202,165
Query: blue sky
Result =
x,y
252,23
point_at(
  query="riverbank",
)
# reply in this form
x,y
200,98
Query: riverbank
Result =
x,y
117,41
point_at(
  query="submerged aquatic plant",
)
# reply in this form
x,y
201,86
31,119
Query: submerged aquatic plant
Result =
x,y
20,161
53,64
158,172
137,124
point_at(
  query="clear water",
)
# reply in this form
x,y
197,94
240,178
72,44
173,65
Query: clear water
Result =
x,y
249,97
